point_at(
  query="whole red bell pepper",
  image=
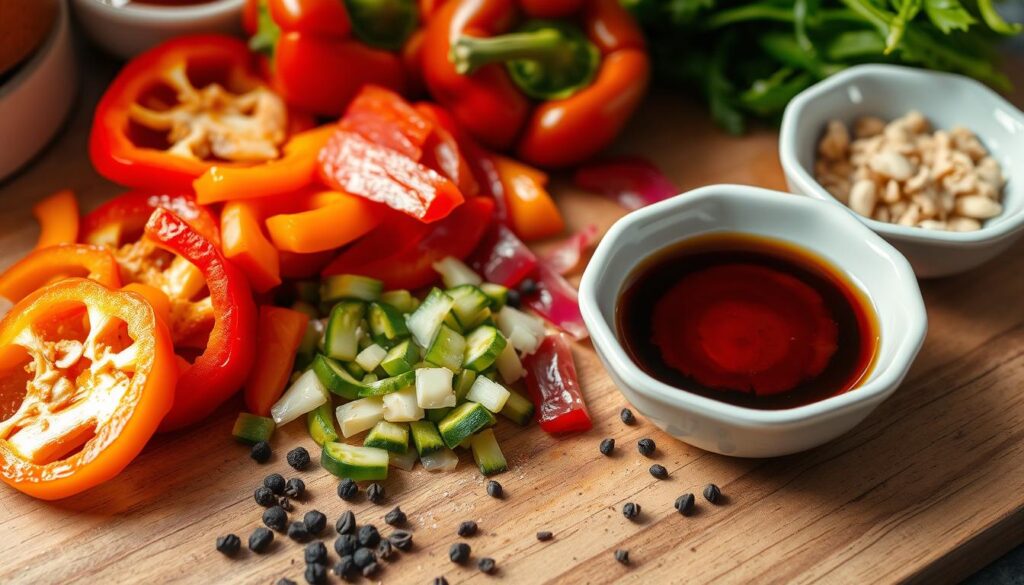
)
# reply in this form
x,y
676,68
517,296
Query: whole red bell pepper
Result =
x,y
555,80
221,369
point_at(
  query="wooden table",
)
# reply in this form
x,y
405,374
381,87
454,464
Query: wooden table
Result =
x,y
929,488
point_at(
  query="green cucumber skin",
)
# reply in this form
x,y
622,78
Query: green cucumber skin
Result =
x,y
400,299
335,378
342,469
487,453
497,294
350,286
380,436
389,385
463,382
400,358
483,346
466,419
436,415
251,428
518,408
448,349
320,422
341,330
425,437
387,325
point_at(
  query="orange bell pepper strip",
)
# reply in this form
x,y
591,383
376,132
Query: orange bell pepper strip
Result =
x,y
278,335
58,219
87,374
46,265
332,224
532,212
293,171
244,243
155,297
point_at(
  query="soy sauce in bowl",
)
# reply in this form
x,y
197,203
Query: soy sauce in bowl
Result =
x,y
750,321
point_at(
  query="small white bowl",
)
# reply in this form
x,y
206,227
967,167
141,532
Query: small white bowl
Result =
x,y
869,263
947,100
126,31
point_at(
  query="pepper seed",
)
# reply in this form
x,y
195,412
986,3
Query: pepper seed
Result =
x,y
298,458
316,574
275,518
395,517
375,493
264,496
260,452
631,510
346,545
467,528
684,504
260,539
528,287
607,446
494,489
298,532
363,557
712,493
228,544
622,555
626,415
275,483
315,521
346,523
459,552
486,565
315,552
347,490
295,488
368,536
544,536
401,539
659,471
645,446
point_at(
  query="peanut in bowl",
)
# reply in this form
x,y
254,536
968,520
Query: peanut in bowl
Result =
x,y
927,163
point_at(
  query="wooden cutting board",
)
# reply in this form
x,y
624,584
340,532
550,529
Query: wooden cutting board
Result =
x,y
929,488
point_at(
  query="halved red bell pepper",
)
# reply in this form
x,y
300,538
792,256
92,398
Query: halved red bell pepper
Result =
x,y
555,387
278,336
58,219
123,218
45,265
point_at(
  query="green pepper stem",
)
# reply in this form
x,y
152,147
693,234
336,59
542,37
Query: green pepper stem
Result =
x,y
469,54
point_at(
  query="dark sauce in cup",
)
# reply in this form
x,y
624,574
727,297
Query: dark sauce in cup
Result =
x,y
747,320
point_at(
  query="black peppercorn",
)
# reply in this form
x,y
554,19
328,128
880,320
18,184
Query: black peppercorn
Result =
x,y
347,490
275,518
395,517
264,496
494,489
645,446
486,565
298,458
286,504
316,574
275,483
459,552
375,493
345,568
659,471
297,531
622,555
467,528
369,570
260,452
626,415
684,504
315,521
260,539
442,580
368,535
315,552
385,550
544,536
528,287
607,446
346,544
295,488
513,299
401,539
346,523
363,556
228,544
631,510
712,493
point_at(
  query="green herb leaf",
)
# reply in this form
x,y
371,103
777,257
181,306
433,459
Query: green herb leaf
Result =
x,y
995,21
948,15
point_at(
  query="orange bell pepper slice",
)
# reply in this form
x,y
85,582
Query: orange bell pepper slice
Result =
x,y
532,212
86,376
331,222
278,335
45,265
157,299
243,242
58,219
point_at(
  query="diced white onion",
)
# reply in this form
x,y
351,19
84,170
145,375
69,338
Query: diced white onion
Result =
x,y
434,388
303,396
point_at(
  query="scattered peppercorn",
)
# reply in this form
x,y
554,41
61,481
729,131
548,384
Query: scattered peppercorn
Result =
x,y
467,528
442,580
260,452
284,581
528,287
375,493
264,496
275,518
459,552
295,488
622,555
368,535
347,490
316,574
631,510
401,539
513,299
346,544
297,531
627,416
260,539
494,489
544,536
370,569
363,556
684,504
645,446
345,568
315,552
712,493
298,458
346,523
395,517
315,521
228,544
607,446
486,565
659,471
286,504
385,550
275,482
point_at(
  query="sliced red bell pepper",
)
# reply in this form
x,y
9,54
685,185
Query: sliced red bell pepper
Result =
x,y
58,219
443,151
502,257
123,218
383,117
555,388
278,336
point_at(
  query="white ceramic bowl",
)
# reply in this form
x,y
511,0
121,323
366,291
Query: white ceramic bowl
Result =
x,y
126,31
870,263
947,100
35,101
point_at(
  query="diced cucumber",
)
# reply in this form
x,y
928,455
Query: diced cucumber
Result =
x,y
523,340
387,324
354,462
436,415
483,346
307,350
400,358
335,378
400,299
303,396
367,380
251,428
350,286
359,415
463,382
509,366
401,406
509,317
454,272
518,408
487,453
392,437
355,370
497,293
425,437
491,394
447,350
341,340
370,358
442,460
434,388
404,461
388,385
471,306
464,420
425,321
321,424
452,323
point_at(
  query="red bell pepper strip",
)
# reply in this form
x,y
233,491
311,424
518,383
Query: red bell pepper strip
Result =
x,y
384,118
57,215
632,182
222,367
557,301
443,150
123,218
502,257
555,388
278,335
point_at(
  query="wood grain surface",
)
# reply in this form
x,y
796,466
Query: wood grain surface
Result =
x,y
929,488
